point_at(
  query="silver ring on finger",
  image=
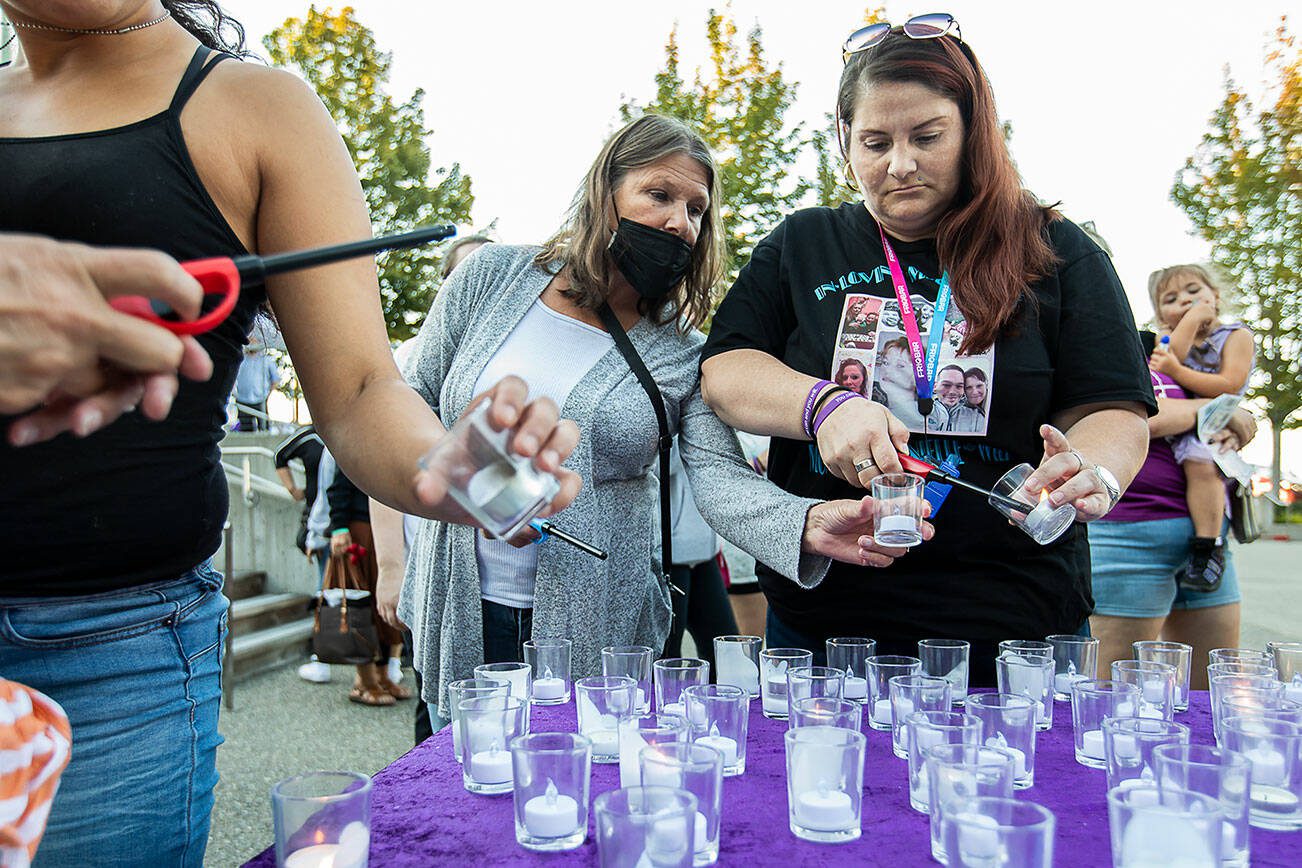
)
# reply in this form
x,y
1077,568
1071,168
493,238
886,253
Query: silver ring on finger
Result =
x,y
861,466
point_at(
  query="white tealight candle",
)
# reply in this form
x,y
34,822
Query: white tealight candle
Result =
x,y
666,841
1293,689
1150,712
882,711
1267,766
927,737
1126,708
978,837
674,708
315,856
492,766
1273,800
901,708
701,833
855,687
775,694
824,810
1125,746
551,815
1155,691
605,742
897,524
721,743
1092,743
1063,681
1019,756
549,688
1162,838
1041,514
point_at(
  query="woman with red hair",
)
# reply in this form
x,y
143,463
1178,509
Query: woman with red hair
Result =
x,y
949,239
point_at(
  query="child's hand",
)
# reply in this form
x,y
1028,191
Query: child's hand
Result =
x,y
1203,314
1163,361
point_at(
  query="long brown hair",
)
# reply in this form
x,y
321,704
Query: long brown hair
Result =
x,y
581,244
992,239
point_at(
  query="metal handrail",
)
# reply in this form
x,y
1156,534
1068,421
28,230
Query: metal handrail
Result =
x,y
228,661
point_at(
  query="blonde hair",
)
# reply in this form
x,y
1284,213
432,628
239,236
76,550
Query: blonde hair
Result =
x,y
581,244
1208,274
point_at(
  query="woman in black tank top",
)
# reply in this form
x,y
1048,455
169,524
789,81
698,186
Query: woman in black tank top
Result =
x,y
148,137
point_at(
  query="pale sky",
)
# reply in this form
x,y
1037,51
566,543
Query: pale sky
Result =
x,y
1107,99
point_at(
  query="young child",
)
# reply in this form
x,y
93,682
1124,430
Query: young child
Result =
x,y
1206,358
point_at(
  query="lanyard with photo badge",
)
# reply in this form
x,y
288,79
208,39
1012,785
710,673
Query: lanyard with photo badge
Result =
x,y
925,363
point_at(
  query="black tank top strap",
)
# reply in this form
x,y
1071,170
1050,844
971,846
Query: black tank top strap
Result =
x,y
195,73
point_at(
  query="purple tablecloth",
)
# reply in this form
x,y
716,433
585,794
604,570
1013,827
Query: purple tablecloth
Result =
x,y
421,814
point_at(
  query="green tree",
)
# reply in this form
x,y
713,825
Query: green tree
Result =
x,y
339,58
1242,189
738,105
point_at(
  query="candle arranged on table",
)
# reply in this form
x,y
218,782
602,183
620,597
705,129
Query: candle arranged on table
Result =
x,y
548,686
551,815
736,668
351,851
666,841
1063,681
722,743
882,711
605,742
701,832
1019,756
1155,691
1267,766
492,766
675,708
978,837
855,687
824,809
1159,838
775,692
1293,689
1092,743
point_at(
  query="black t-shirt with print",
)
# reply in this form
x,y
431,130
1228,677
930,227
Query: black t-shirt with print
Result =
x,y
980,578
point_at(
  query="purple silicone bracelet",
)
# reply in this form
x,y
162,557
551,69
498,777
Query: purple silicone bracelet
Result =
x,y
835,401
808,418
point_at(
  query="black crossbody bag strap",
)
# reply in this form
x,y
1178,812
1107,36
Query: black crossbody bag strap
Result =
x,y
629,352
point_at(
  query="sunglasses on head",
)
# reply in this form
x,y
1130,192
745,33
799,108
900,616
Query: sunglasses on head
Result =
x,y
930,26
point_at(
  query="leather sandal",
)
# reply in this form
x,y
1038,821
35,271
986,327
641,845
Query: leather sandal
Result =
x,y
396,691
367,689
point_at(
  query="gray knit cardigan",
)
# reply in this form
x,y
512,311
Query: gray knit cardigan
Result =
x,y
595,603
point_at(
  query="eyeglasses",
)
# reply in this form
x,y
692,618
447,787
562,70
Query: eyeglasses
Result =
x,y
933,25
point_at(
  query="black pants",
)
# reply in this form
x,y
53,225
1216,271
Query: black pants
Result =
x,y
703,609
249,422
506,629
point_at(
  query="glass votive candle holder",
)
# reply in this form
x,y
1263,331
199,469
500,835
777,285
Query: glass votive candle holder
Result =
x,y
672,676
1163,826
645,730
549,660
1269,707
635,662
645,826
986,831
601,700
898,506
698,769
957,772
1156,683
774,665
736,662
501,490
1128,744
724,714
1274,747
1008,722
1242,667
948,659
1040,520
1216,772
518,675
1238,655
470,688
488,724
850,653
880,669
910,693
1092,702
804,682
322,818
826,711
1031,677
825,783
1030,649
1221,686
926,729
1288,663
1175,654
1075,658
551,771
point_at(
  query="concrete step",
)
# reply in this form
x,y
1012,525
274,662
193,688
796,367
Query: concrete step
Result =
x,y
245,583
270,648
260,612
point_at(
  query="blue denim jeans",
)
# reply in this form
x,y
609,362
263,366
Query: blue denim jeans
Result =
x,y
138,672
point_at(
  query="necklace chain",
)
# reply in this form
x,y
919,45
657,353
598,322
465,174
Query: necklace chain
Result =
x,y
26,25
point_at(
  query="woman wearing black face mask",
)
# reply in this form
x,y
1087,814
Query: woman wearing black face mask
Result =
x,y
635,262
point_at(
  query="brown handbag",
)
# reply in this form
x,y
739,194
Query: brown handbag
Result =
x,y
345,633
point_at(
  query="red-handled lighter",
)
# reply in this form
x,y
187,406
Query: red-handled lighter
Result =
x,y
223,276
931,473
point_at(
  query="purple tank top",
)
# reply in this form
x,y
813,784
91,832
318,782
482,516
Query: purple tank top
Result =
x,y
1206,357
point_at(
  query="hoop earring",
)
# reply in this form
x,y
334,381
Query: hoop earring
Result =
x,y
848,171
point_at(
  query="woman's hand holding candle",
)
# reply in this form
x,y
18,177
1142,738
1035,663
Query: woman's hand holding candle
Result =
x,y
842,530
1067,477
